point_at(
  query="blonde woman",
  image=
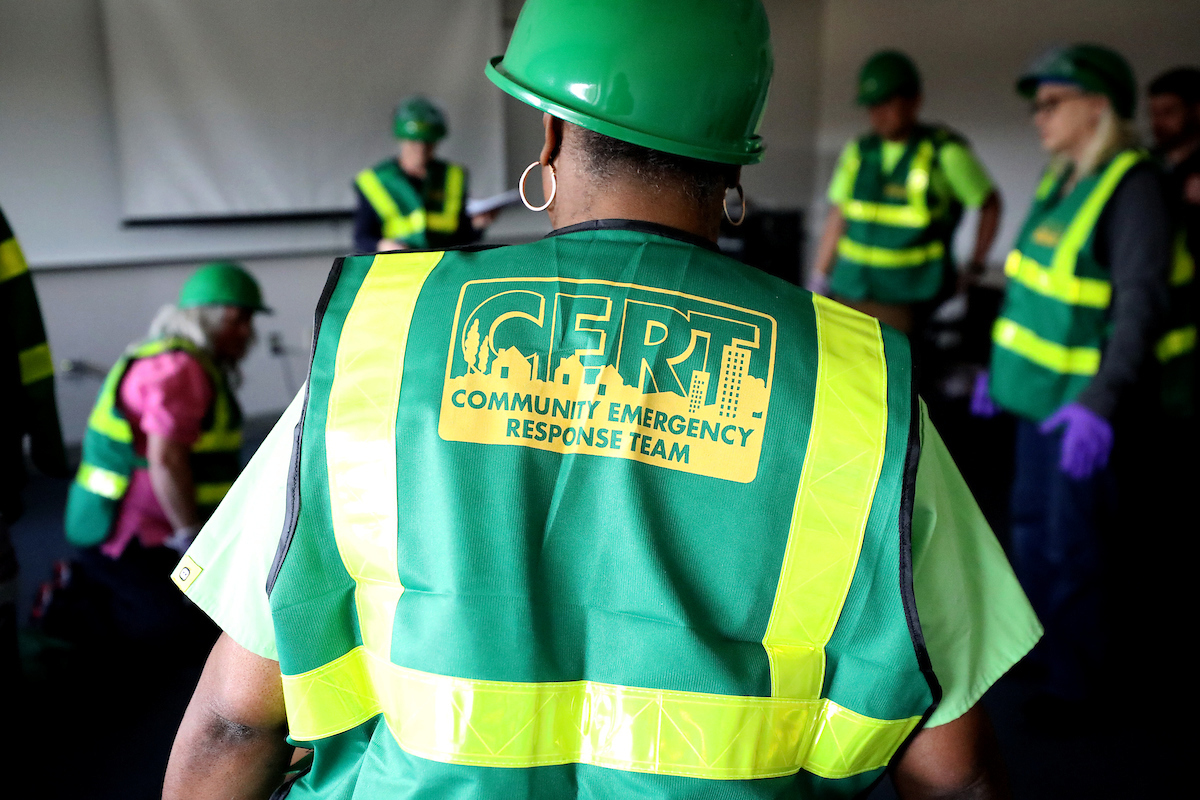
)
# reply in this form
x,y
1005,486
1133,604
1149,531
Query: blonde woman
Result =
x,y
1086,288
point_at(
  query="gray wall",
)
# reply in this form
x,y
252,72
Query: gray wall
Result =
x,y
101,283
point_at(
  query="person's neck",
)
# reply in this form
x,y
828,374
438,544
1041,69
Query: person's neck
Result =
x,y
624,200
414,171
902,135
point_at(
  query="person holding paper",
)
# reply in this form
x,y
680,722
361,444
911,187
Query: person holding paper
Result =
x,y
414,200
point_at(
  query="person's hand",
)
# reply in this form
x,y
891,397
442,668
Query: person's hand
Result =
x,y
386,245
817,283
182,538
982,405
481,221
1086,442
1191,189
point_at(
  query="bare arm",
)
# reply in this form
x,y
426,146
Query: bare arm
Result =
x,y
835,226
231,742
985,232
171,478
956,761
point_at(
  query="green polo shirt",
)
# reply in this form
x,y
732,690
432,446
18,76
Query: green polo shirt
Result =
x,y
957,172
976,620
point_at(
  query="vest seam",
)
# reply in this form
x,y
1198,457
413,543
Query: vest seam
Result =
x,y
291,517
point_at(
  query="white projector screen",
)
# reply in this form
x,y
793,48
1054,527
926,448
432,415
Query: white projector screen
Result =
x,y
230,108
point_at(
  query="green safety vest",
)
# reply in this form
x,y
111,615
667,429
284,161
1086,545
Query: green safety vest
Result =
x,y
417,218
602,515
896,248
109,458
1047,341
1176,349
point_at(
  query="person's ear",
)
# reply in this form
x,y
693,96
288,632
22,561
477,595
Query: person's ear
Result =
x,y
553,127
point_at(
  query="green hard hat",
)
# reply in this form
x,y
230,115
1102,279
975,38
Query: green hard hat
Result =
x,y
1092,67
887,74
419,120
222,283
687,77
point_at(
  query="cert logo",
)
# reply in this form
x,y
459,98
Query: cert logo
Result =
x,y
610,369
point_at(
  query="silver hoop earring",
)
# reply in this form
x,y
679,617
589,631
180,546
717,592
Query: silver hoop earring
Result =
x,y
725,205
553,188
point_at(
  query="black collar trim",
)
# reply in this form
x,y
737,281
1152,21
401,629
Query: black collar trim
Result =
x,y
639,226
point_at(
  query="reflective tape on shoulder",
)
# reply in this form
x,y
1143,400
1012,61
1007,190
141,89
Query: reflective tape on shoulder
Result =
x,y
846,445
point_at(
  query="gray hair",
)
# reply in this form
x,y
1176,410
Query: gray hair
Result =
x,y
199,325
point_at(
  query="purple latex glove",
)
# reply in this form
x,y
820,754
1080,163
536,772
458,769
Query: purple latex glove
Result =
x,y
1086,443
817,283
982,404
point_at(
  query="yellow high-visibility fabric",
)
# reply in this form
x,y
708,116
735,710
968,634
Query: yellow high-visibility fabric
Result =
x,y
841,470
886,257
395,223
512,724
914,214
1063,286
446,220
1051,355
36,364
509,724
103,482
1175,343
12,260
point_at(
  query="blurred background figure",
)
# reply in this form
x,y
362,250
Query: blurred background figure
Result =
x,y
896,197
1086,293
1174,104
160,452
27,408
415,200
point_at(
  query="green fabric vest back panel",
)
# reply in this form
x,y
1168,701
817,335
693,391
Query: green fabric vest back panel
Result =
x,y
1072,330
109,459
528,565
871,241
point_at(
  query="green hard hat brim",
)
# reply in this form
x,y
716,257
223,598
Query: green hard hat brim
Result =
x,y
752,154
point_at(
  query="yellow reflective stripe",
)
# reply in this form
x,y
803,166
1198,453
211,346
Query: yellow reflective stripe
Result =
x,y
218,441
887,258
1049,179
103,482
1076,234
210,494
396,225
1183,266
1175,343
36,363
915,214
1061,286
837,484
360,434
12,260
510,724
104,421
694,734
886,214
1051,355
849,743
446,220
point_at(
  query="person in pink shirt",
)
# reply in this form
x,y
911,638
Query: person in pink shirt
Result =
x,y
162,448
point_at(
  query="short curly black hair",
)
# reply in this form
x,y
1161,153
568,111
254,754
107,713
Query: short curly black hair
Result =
x,y
1183,82
703,182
